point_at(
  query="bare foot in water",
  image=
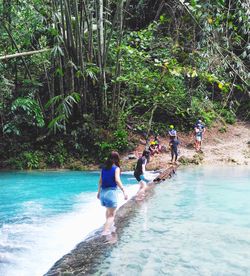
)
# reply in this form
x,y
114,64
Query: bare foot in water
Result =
x,y
111,239
140,196
106,233
113,229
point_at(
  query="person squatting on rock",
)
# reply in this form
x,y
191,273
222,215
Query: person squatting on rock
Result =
x,y
139,173
107,189
153,149
157,143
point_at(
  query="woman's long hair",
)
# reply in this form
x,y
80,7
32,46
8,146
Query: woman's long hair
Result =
x,y
146,153
113,159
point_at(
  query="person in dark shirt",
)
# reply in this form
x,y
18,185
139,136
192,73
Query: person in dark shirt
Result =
x,y
173,145
139,172
172,133
107,189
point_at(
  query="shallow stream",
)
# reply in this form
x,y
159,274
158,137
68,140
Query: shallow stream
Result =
x,y
197,223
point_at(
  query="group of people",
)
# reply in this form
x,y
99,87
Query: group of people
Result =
x,y
110,174
110,180
155,146
199,130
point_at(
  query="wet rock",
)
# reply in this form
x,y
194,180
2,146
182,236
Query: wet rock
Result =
x,y
197,159
184,160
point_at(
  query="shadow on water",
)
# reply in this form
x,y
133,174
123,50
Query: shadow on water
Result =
x,y
86,257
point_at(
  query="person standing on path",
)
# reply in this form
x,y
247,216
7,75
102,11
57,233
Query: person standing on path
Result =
x,y
173,145
199,130
172,133
107,189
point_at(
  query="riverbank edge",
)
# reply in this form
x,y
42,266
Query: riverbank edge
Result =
x,y
228,147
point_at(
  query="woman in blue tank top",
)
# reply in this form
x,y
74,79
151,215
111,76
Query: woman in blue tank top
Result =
x,y
107,189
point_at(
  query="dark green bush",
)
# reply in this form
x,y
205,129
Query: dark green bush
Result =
x,y
229,116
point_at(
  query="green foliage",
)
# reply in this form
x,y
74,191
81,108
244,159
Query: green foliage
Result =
x,y
15,163
202,109
217,20
23,111
6,86
63,111
11,128
31,108
31,160
192,63
223,129
40,159
58,155
120,139
27,160
117,142
229,116
104,148
154,78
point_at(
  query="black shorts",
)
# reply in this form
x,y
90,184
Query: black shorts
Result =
x,y
137,177
174,151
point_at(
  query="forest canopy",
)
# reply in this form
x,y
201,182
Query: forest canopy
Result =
x,y
76,76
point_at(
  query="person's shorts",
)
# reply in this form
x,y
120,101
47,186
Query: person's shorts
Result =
x,y
141,178
137,177
174,151
198,138
108,197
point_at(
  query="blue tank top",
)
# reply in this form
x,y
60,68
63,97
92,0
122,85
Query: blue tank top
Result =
x,y
108,178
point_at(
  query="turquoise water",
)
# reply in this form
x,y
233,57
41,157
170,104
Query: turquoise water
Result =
x,y
197,223
43,215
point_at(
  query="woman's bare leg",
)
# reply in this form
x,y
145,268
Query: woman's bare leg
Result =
x,y
141,192
110,216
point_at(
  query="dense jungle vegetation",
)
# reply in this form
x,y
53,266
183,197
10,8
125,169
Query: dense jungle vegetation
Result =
x,y
78,76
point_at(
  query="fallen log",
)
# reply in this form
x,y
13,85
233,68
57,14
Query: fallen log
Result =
x,y
168,173
23,54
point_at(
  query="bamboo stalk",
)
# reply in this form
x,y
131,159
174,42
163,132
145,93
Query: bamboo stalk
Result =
x,y
24,54
117,87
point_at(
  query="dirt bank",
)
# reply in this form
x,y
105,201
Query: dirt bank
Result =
x,y
221,146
